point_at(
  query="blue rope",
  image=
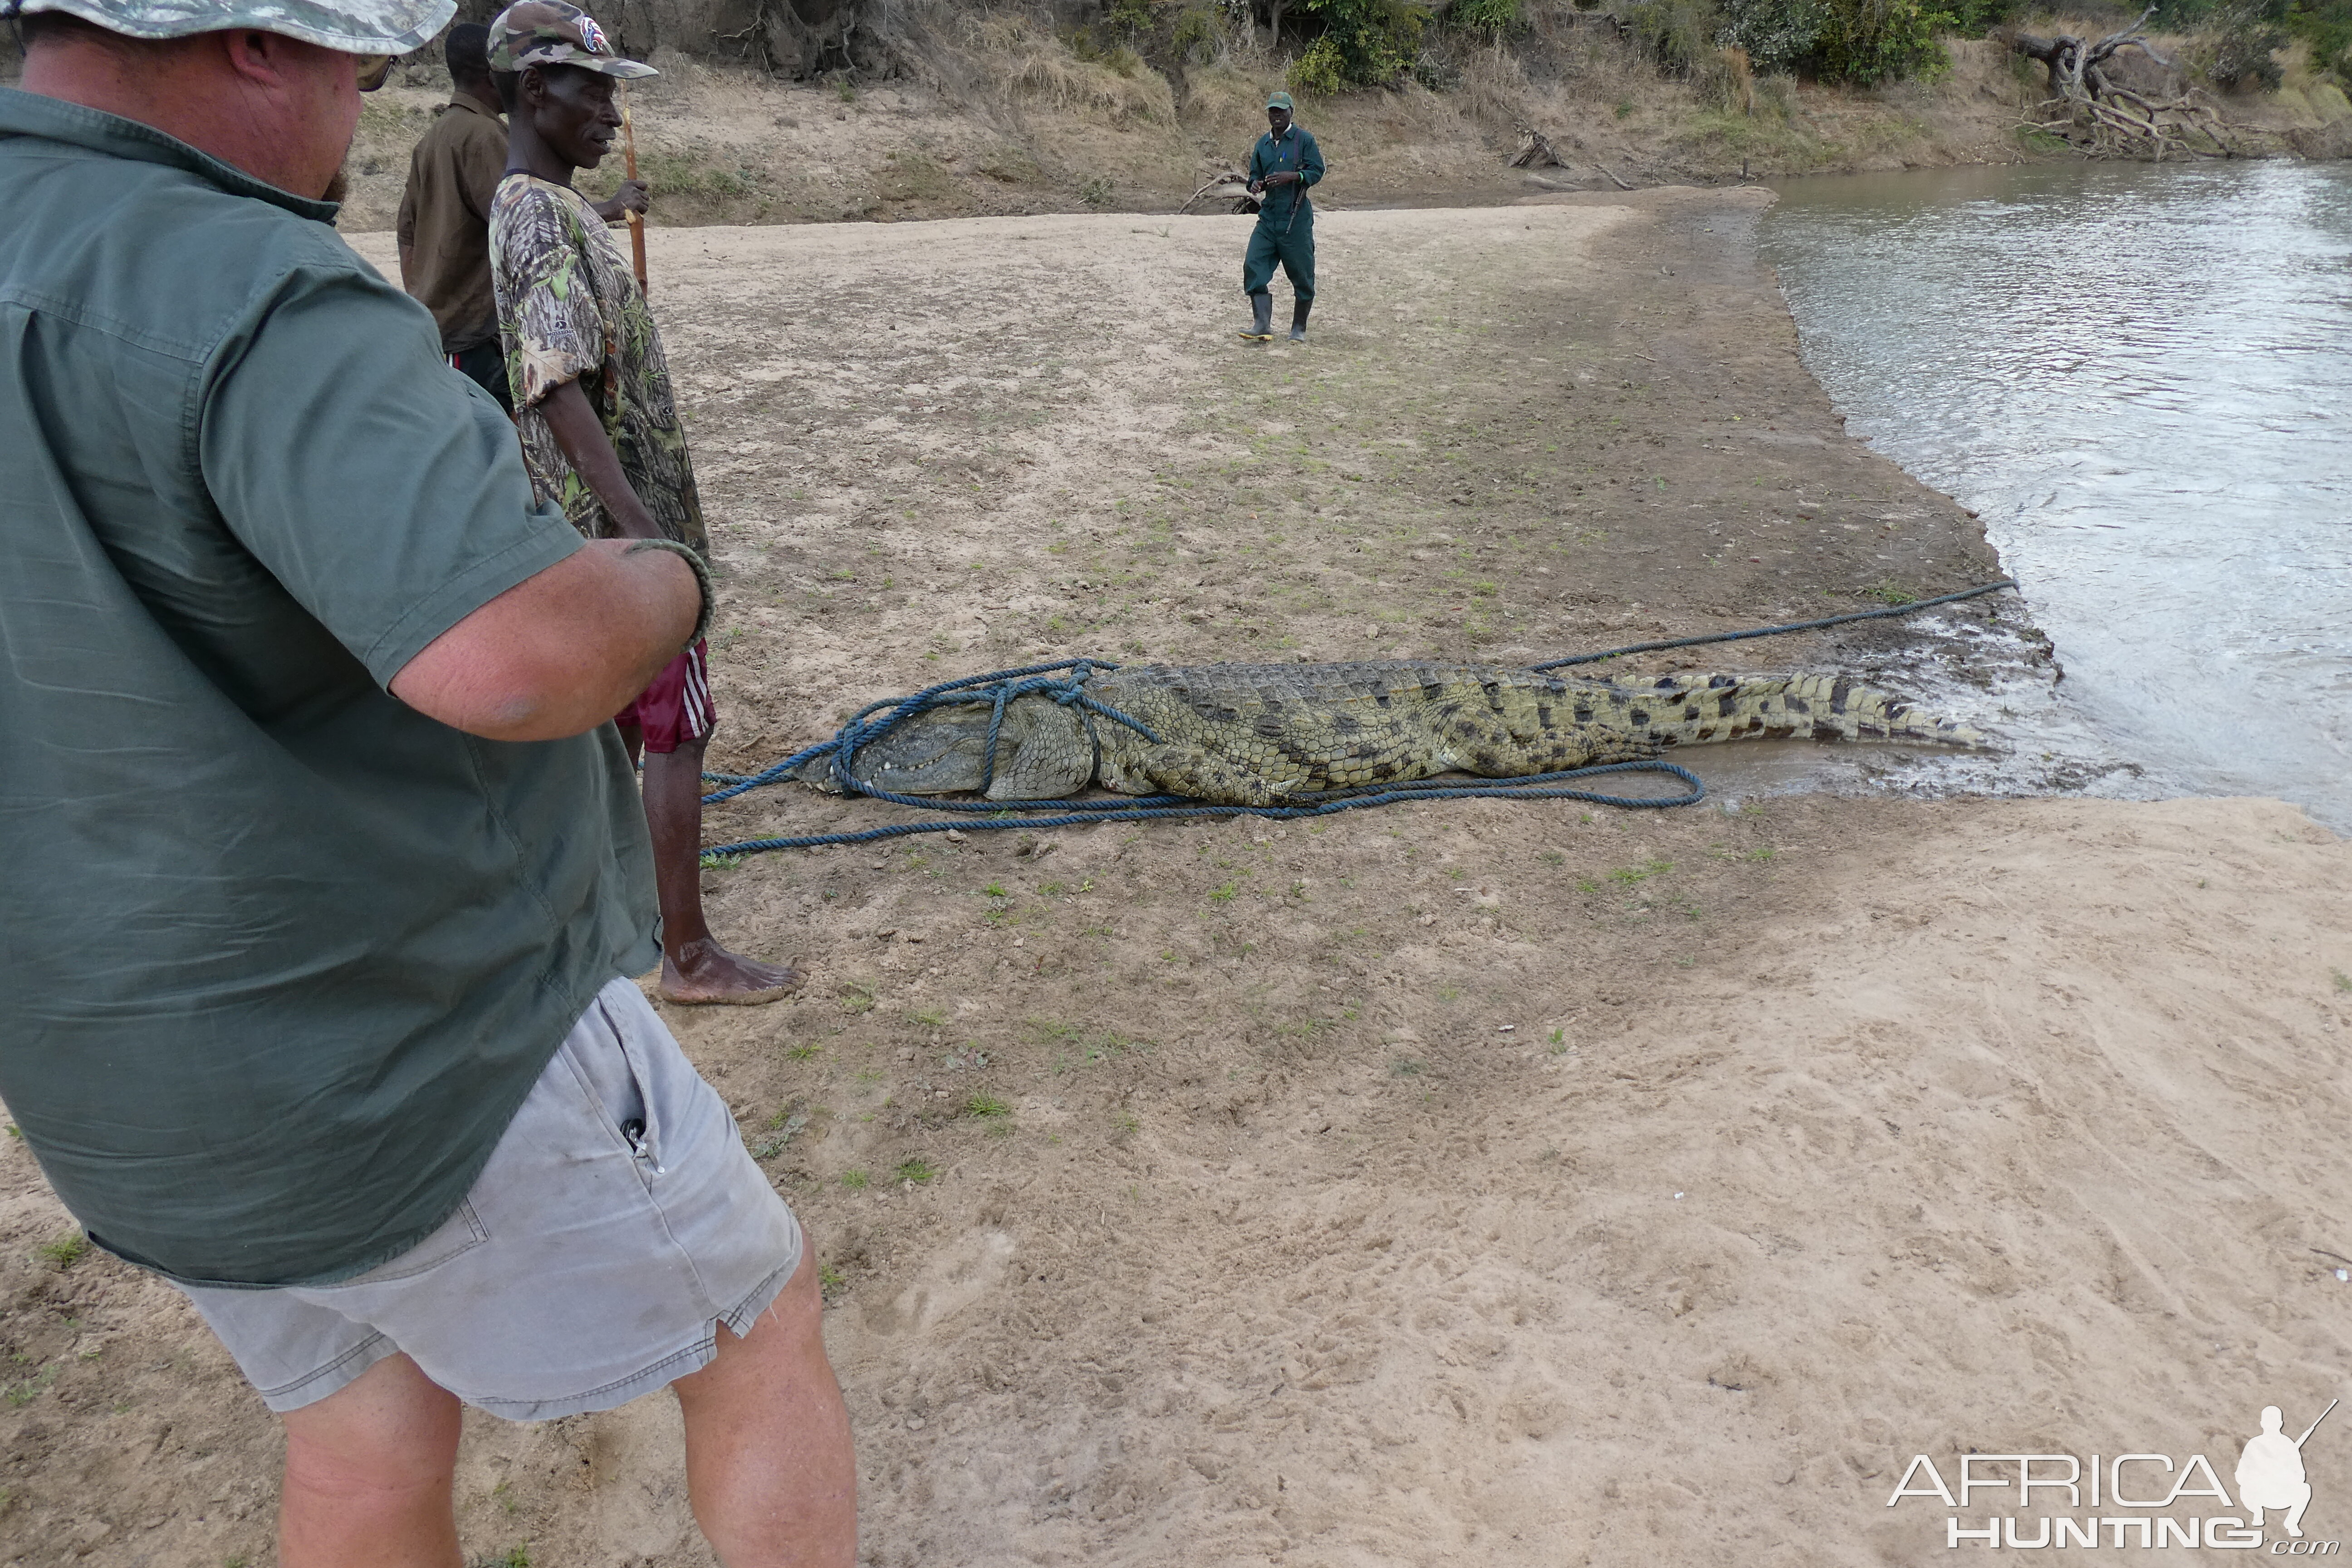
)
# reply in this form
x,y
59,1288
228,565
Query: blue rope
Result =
x,y
1002,686
1156,808
1912,608
863,729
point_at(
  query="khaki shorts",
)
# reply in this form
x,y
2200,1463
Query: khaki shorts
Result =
x,y
619,1219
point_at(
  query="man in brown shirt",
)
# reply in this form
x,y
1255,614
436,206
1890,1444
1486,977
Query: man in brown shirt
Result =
x,y
445,215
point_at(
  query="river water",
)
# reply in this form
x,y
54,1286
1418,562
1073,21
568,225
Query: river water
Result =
x,y
2141,377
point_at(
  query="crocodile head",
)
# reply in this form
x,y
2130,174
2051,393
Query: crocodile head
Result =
x,y
1042,753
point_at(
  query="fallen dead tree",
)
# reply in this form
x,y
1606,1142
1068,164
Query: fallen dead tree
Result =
x,y
2103,118
1537,152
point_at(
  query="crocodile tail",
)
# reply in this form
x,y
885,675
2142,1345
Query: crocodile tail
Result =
x,y
1696,709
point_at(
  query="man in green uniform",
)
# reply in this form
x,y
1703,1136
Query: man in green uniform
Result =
x,y
325,867
1283,165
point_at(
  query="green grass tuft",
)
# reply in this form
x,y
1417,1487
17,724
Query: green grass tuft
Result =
x,y
65,1251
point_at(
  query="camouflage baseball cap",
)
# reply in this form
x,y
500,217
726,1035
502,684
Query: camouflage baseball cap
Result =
x,y
550,33
354,27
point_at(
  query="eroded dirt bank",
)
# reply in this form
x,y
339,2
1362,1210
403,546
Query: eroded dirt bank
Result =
x,y
1481,1183
995,115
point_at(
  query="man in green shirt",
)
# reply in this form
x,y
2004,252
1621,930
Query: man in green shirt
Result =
x,y
1284,165
324,865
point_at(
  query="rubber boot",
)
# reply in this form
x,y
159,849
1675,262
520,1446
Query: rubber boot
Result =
x,y
1261,328
1298,308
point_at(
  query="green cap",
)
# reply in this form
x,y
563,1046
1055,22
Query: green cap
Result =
x,y
550,33
1280,101
354,27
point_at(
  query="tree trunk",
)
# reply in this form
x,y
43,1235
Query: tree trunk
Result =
x,y
2105,121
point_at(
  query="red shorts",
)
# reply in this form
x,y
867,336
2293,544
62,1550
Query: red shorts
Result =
x,y
677,708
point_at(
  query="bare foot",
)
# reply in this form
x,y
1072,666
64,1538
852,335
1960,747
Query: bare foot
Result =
x,y
703,973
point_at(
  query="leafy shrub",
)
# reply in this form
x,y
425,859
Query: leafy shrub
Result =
x,y
1872,41
1488,15
1195,35
1778,35
2329,30
2234,38
2238,52
1320,71
1860,41
1365,43
1974,18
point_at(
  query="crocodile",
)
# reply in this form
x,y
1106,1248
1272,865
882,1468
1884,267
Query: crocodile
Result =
x,y
1263,734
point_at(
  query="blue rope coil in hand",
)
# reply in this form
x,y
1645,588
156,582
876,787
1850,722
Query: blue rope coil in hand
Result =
x,y
1065,682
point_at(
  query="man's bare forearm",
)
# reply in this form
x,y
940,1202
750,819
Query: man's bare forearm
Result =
x,y
581,433
559,652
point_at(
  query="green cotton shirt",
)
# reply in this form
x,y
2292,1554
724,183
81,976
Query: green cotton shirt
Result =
x,y
1295,151
279,956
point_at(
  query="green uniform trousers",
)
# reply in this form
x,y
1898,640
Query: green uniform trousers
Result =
x,y
1295,250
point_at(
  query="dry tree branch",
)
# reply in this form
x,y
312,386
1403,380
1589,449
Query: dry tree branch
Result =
x,y
1245,204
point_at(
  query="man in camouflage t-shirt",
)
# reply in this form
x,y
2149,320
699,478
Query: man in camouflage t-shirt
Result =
x,y
600,428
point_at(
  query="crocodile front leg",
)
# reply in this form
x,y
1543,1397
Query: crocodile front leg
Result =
x,y
1193,770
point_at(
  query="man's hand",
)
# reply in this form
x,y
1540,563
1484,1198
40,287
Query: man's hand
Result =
x,y
631,197
560,651
1283,177
582,436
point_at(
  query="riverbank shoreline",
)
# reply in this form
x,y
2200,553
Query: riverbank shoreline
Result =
x,y
1482,1181
1012,124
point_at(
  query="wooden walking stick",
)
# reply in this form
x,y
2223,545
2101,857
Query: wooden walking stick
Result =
x,y
636,220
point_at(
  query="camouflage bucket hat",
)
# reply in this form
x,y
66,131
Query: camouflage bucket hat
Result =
x,y
550,33
354,27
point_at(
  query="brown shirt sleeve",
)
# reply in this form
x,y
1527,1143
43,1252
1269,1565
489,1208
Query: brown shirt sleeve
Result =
x,y
481,165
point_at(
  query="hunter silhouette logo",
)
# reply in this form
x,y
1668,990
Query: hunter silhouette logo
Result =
x,y
2269,1472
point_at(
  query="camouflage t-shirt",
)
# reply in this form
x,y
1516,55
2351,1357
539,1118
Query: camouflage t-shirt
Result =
x,y
570,308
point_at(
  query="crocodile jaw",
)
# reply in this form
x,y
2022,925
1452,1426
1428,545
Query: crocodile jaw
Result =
x,y
1042,753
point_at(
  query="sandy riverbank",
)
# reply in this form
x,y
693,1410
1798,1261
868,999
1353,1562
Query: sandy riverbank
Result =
x,y
1486,1182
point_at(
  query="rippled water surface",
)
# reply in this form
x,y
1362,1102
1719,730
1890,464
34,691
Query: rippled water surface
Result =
x,y
2142,378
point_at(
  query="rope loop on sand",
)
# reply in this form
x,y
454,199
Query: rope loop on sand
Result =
x,y
1065,682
